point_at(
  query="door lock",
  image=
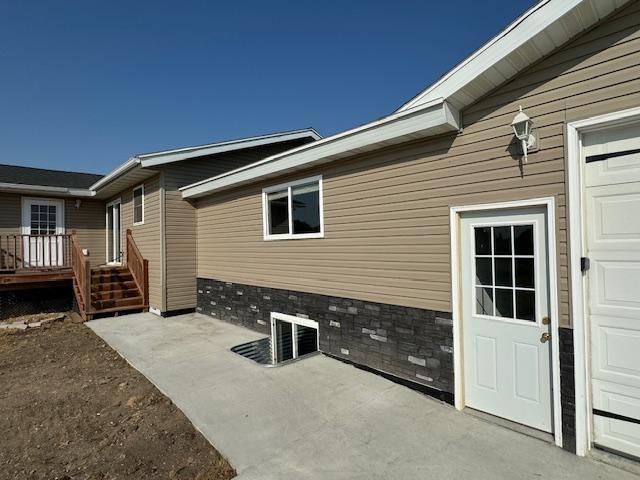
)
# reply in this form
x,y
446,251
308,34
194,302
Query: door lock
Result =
x,y
546,320
546,336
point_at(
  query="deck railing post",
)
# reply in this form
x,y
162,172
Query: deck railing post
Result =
x,y
146,282
87,285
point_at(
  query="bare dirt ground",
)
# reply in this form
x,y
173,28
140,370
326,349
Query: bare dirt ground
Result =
x,y
72,408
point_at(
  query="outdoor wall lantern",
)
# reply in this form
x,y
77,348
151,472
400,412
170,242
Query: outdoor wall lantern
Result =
x,y
522,127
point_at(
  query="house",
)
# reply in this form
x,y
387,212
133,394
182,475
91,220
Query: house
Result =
x,y
453,245
62,227
480,244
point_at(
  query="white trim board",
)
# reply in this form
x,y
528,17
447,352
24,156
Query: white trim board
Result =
x,y
44,190
438,117
533,35
146,160
458,367
170,156
575,212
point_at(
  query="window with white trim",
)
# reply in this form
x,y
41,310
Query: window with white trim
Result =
x,y
292,337
293,210
138,205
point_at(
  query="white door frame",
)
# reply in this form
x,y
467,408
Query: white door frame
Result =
x,y
110,204
577,246
26,213
26,224
458,367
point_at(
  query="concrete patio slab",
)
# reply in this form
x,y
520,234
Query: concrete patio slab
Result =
x,y
320,418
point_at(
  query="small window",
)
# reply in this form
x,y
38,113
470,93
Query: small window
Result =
x,y
293,210
138,205
292,337
505,272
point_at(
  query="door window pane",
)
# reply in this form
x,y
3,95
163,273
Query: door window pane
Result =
x,y
484,301
524,272
503,272
306,208
483,240
504,302
523,239
278,212
502,240
526,305
43,219
484,275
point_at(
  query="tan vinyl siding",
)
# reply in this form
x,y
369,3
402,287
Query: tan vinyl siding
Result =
x,y
181,220
10,214
387,214
148,235
89,223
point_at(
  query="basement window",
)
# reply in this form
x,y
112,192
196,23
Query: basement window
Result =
x,y
138,205
293,210
292,337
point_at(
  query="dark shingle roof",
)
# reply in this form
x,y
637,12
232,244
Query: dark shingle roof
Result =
x,y
46,178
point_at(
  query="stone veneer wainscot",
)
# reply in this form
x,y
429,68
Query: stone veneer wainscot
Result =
x,y
410,343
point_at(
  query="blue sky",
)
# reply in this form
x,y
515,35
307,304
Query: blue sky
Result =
x,y
86,84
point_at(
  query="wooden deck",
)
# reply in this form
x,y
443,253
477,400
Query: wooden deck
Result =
x,y
30,262
33,278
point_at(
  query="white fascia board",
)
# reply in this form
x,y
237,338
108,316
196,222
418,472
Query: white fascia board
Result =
x,y
523,29
125,167
435,118
169,156
45,190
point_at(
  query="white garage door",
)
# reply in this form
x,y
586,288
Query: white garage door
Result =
x,y
612,181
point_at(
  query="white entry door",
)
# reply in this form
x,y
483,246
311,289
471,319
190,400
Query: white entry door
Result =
x,y
612,201
42,225
506,335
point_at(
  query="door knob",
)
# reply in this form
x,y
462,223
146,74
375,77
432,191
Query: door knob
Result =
x,y
546,336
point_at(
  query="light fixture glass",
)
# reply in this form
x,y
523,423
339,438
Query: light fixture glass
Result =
x,y
522,127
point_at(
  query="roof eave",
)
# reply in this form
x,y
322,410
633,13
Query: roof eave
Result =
x,y
495,62
438,117
46,190
170,156
122,169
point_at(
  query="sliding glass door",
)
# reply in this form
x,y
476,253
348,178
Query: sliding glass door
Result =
x,y
114,233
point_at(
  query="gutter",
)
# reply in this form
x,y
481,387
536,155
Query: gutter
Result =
x,y
435,117
170,156
122,169
64,191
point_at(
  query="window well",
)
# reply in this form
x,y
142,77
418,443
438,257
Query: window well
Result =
x,y
292,338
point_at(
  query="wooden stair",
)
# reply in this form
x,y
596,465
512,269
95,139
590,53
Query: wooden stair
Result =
x,y
110,289
113,289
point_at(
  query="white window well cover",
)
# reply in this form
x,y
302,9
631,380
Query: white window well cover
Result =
x,y
293,210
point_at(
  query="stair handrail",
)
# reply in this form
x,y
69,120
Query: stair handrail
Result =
x,y
81,266
138,266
